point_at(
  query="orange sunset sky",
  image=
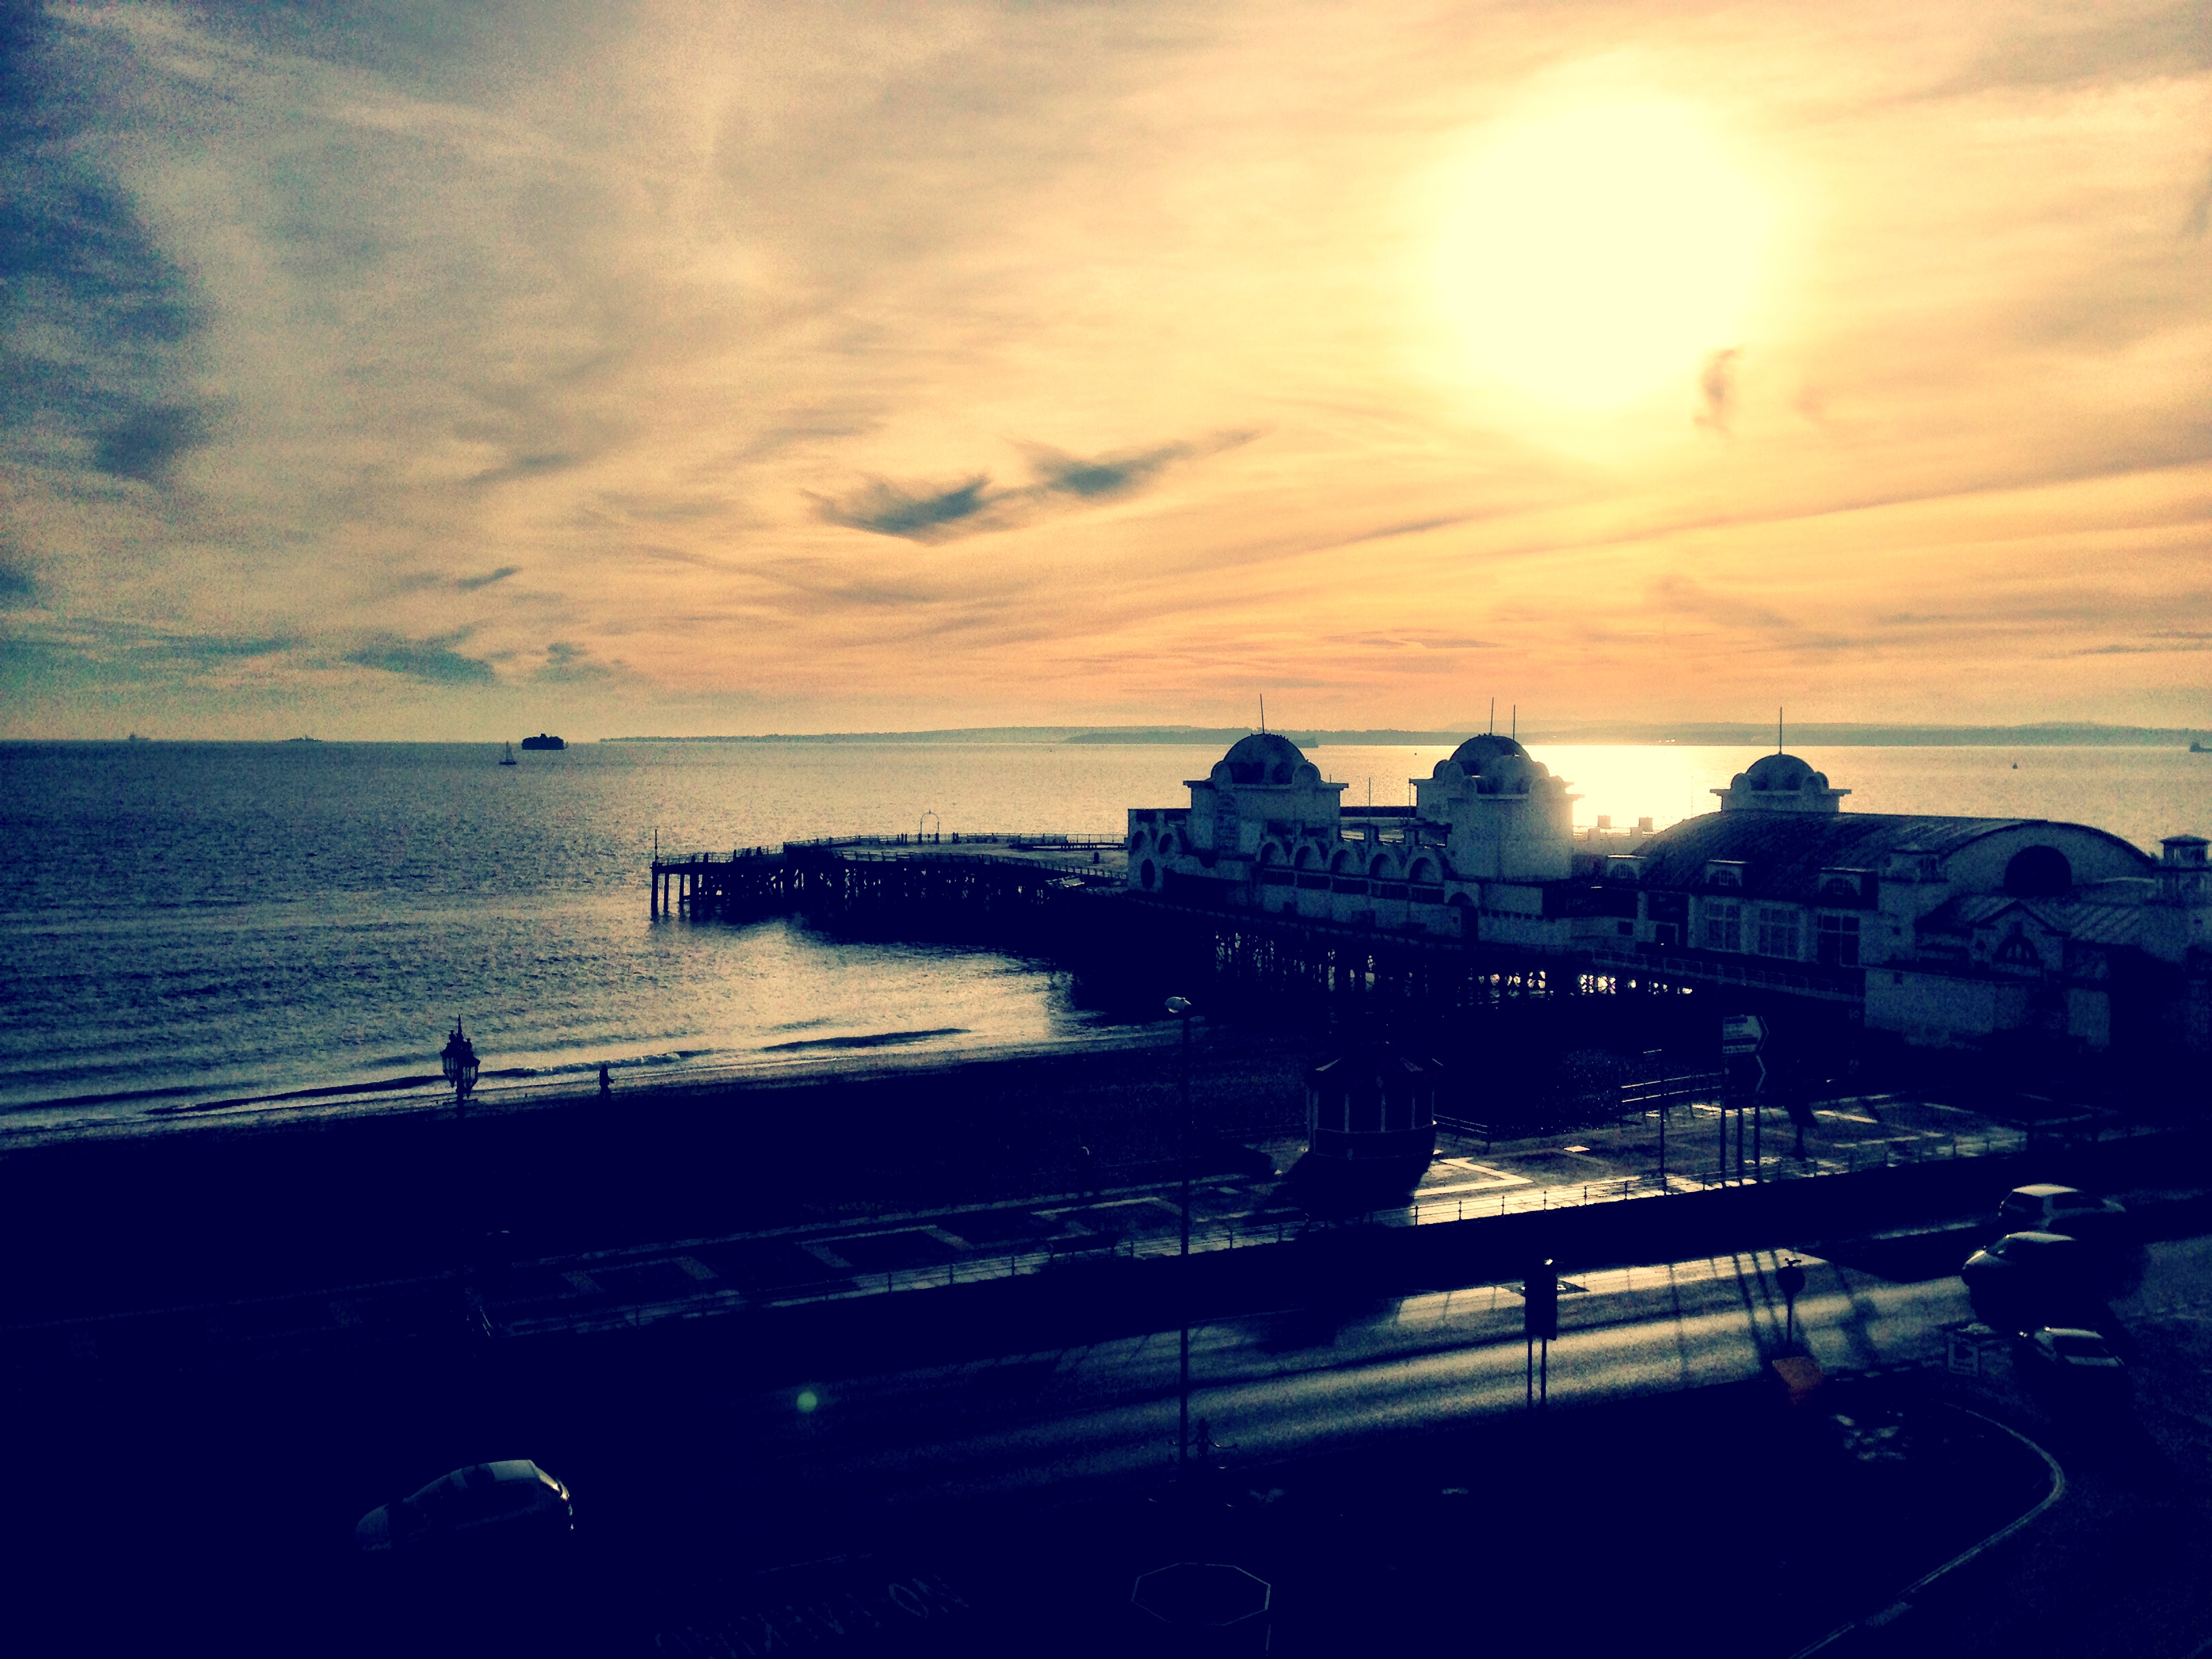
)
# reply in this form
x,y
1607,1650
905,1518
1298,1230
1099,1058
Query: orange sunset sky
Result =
x,y
453,371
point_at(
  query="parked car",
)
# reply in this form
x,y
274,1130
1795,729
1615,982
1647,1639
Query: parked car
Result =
x,y
2026,1279
485,1505
2045,1208
2079,1361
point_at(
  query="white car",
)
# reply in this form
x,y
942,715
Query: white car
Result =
x,y
483,1504
2045,1208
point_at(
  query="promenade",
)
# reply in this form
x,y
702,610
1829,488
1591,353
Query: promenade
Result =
x,y
866,1253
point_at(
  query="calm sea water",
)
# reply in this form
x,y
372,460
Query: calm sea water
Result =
x,y
181,923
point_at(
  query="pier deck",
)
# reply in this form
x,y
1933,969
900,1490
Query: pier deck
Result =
x,y
750,882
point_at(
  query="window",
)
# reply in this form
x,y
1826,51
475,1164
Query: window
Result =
x,y
1667,934
1778,933
1723,926
1836,941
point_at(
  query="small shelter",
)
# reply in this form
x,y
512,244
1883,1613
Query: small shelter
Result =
x,y
1371,1113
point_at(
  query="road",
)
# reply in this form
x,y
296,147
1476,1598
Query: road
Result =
x,y
1289,1385
685,1483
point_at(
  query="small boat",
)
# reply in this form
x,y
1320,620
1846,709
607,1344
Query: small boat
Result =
x,y
541,741
2197,748
508,759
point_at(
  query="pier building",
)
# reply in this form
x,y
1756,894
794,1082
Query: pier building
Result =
x,y
1486,846
1944,932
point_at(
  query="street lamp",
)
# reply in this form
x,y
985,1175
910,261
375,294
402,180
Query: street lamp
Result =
x,y
459,1058
1180,1007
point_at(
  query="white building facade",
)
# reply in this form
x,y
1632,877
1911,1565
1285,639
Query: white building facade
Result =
x,y
1943,932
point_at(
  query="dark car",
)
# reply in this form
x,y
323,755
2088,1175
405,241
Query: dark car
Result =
x,y
2028,1279
2048,1208
485,1505
2077,1363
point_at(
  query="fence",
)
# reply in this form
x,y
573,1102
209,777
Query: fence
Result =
x,y
1246,1233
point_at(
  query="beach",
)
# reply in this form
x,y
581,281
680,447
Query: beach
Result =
x,y
260,1205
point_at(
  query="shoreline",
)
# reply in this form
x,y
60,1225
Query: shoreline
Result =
x,y
255,1202
427,1096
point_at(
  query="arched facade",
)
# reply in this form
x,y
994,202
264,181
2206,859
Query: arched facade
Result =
x,y
1941,930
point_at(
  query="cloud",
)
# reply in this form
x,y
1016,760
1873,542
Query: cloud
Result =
x,y
1061,482
568,664
920,513
2198,219
148,443
17,583
528,466
1101,478
1682,595
1717,390
2093,44
471,583
434,659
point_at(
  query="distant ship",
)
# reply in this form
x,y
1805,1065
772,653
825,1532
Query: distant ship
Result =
x,y
508,759
541,741
2197,748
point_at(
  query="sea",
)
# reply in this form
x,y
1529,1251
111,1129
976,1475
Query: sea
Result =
x,y
195,930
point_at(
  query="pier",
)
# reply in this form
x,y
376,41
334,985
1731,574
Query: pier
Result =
x,y
1066,897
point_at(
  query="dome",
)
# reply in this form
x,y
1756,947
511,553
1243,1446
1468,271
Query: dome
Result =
x,y
1779,772
1264,757
1477,753
1780,783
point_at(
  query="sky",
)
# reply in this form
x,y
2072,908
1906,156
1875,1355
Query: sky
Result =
x,y
445,371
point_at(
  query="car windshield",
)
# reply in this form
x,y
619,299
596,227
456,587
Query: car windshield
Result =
x,y
2076,1201
2081,1347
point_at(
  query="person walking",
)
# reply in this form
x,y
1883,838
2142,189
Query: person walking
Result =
x,y
606,1083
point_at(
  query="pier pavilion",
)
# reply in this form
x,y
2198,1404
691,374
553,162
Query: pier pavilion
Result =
x,y
1943,931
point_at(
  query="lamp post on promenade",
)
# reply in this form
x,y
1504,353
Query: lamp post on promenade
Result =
x,y
459,1057
1180,1007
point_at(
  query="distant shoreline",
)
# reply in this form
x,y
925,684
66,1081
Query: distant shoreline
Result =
x,y
1832,734
1811,735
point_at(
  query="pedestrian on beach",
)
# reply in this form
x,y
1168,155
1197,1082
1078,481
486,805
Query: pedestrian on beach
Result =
x,y
1087,1168
606,1083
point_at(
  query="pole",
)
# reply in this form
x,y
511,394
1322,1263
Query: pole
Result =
x,y
1544,1375
1181,1007
1757,1128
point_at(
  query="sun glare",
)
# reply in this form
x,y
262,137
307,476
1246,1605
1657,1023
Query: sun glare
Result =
x,y
1592,257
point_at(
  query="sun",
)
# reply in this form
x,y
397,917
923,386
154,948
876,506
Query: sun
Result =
x,y
1593,256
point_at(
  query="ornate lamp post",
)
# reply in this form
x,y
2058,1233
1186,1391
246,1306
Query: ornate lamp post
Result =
x,y
459,1058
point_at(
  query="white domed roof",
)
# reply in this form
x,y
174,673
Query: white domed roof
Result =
x,y
1266,757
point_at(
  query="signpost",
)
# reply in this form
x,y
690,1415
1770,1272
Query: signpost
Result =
x,y
1743,1036
1539,1323
1791,1278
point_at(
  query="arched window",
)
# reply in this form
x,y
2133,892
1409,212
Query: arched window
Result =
x,y
1140,843
1169,846
1270,854
1423,870
1346,862
2019,951
1307,859
2038,872
1379,867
